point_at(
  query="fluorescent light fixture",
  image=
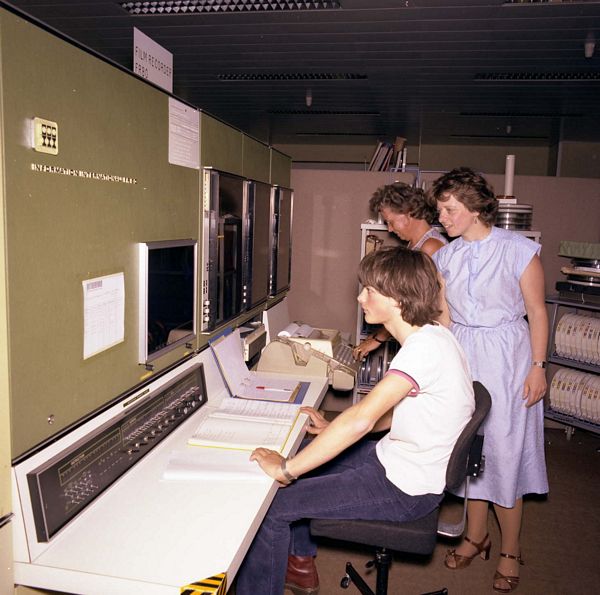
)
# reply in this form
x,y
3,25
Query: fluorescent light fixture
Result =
x,y
311,112
181,7
291,76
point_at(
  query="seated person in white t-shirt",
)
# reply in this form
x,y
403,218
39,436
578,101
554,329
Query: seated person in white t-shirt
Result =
x,y
425,400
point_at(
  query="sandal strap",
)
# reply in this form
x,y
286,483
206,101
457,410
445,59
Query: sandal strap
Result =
x,y
511,581
511,557
479,546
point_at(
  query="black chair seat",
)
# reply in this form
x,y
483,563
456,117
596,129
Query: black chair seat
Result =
x,y
418,536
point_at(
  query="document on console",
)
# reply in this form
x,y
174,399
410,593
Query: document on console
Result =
x,y
249,384
246,425
200,464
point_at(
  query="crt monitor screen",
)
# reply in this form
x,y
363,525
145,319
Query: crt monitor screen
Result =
x,y
167,296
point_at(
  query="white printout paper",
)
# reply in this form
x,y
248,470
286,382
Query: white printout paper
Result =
x,y
219,464
103,313
247,383
184,135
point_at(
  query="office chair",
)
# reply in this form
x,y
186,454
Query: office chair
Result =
x,y
418,536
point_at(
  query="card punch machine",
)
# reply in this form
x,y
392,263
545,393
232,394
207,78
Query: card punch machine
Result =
x,y
311,352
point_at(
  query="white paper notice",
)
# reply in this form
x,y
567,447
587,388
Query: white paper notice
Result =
x,y
103,313
184,134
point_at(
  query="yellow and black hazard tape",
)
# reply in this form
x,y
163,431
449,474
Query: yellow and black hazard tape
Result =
x,y
214,585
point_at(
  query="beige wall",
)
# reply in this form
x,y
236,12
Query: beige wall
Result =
x,y
329,207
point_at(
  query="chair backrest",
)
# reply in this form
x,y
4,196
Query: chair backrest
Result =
x,y
459,459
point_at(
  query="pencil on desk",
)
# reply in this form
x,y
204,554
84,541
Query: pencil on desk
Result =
x,y
279,390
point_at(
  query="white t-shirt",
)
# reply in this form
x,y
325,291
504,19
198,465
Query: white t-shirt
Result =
x,y
429,420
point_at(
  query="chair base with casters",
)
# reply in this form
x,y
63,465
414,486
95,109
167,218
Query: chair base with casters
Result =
x,y
417,536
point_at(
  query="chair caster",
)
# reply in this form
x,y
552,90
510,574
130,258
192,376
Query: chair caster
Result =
x,y
345,582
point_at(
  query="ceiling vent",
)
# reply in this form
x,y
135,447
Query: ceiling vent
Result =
x,y
537,76
158,7
293,76
520,115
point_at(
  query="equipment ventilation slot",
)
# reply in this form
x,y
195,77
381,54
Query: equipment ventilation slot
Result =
x,y
537,76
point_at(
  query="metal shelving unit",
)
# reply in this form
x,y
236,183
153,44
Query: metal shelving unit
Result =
x,y
557,303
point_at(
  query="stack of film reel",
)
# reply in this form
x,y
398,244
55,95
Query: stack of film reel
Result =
x,y
583,277
376,364
573,392
514,216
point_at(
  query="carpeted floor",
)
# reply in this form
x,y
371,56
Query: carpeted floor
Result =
x,y
560,537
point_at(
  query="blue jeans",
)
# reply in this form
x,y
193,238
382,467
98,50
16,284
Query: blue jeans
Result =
x,y
352,486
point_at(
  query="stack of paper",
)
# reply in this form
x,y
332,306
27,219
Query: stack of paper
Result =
x,y
246,425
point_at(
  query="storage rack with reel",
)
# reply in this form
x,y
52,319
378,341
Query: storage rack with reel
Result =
x,y
574,358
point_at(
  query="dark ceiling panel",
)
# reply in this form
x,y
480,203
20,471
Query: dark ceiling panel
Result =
x,y
419,57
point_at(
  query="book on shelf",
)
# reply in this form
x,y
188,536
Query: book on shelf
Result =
x,y
246,425
387,159
374,157
382,157
389,155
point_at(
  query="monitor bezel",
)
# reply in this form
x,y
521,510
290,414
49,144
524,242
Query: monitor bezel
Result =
x,y
143,258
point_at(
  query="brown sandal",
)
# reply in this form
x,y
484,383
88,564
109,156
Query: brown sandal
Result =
x,y
511,581
460,561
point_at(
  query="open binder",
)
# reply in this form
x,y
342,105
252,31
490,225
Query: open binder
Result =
x,y
247,384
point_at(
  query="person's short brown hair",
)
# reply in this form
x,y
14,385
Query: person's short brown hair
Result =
x,y
469,188
407,276
404,199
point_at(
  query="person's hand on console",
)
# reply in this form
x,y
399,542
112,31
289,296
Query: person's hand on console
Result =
x,y
273,464
317,422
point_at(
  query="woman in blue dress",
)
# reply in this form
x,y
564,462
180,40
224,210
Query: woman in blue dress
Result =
x,y
493,278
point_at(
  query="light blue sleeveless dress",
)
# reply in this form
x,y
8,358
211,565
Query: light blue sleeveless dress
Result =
x,y
487,309
432,232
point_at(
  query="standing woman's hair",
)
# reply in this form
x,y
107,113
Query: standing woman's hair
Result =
x,y
404,199
407,276
469,188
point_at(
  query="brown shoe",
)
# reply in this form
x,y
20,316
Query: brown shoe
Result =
x,y
301,577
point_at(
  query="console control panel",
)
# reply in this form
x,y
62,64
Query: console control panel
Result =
x,y
63,486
